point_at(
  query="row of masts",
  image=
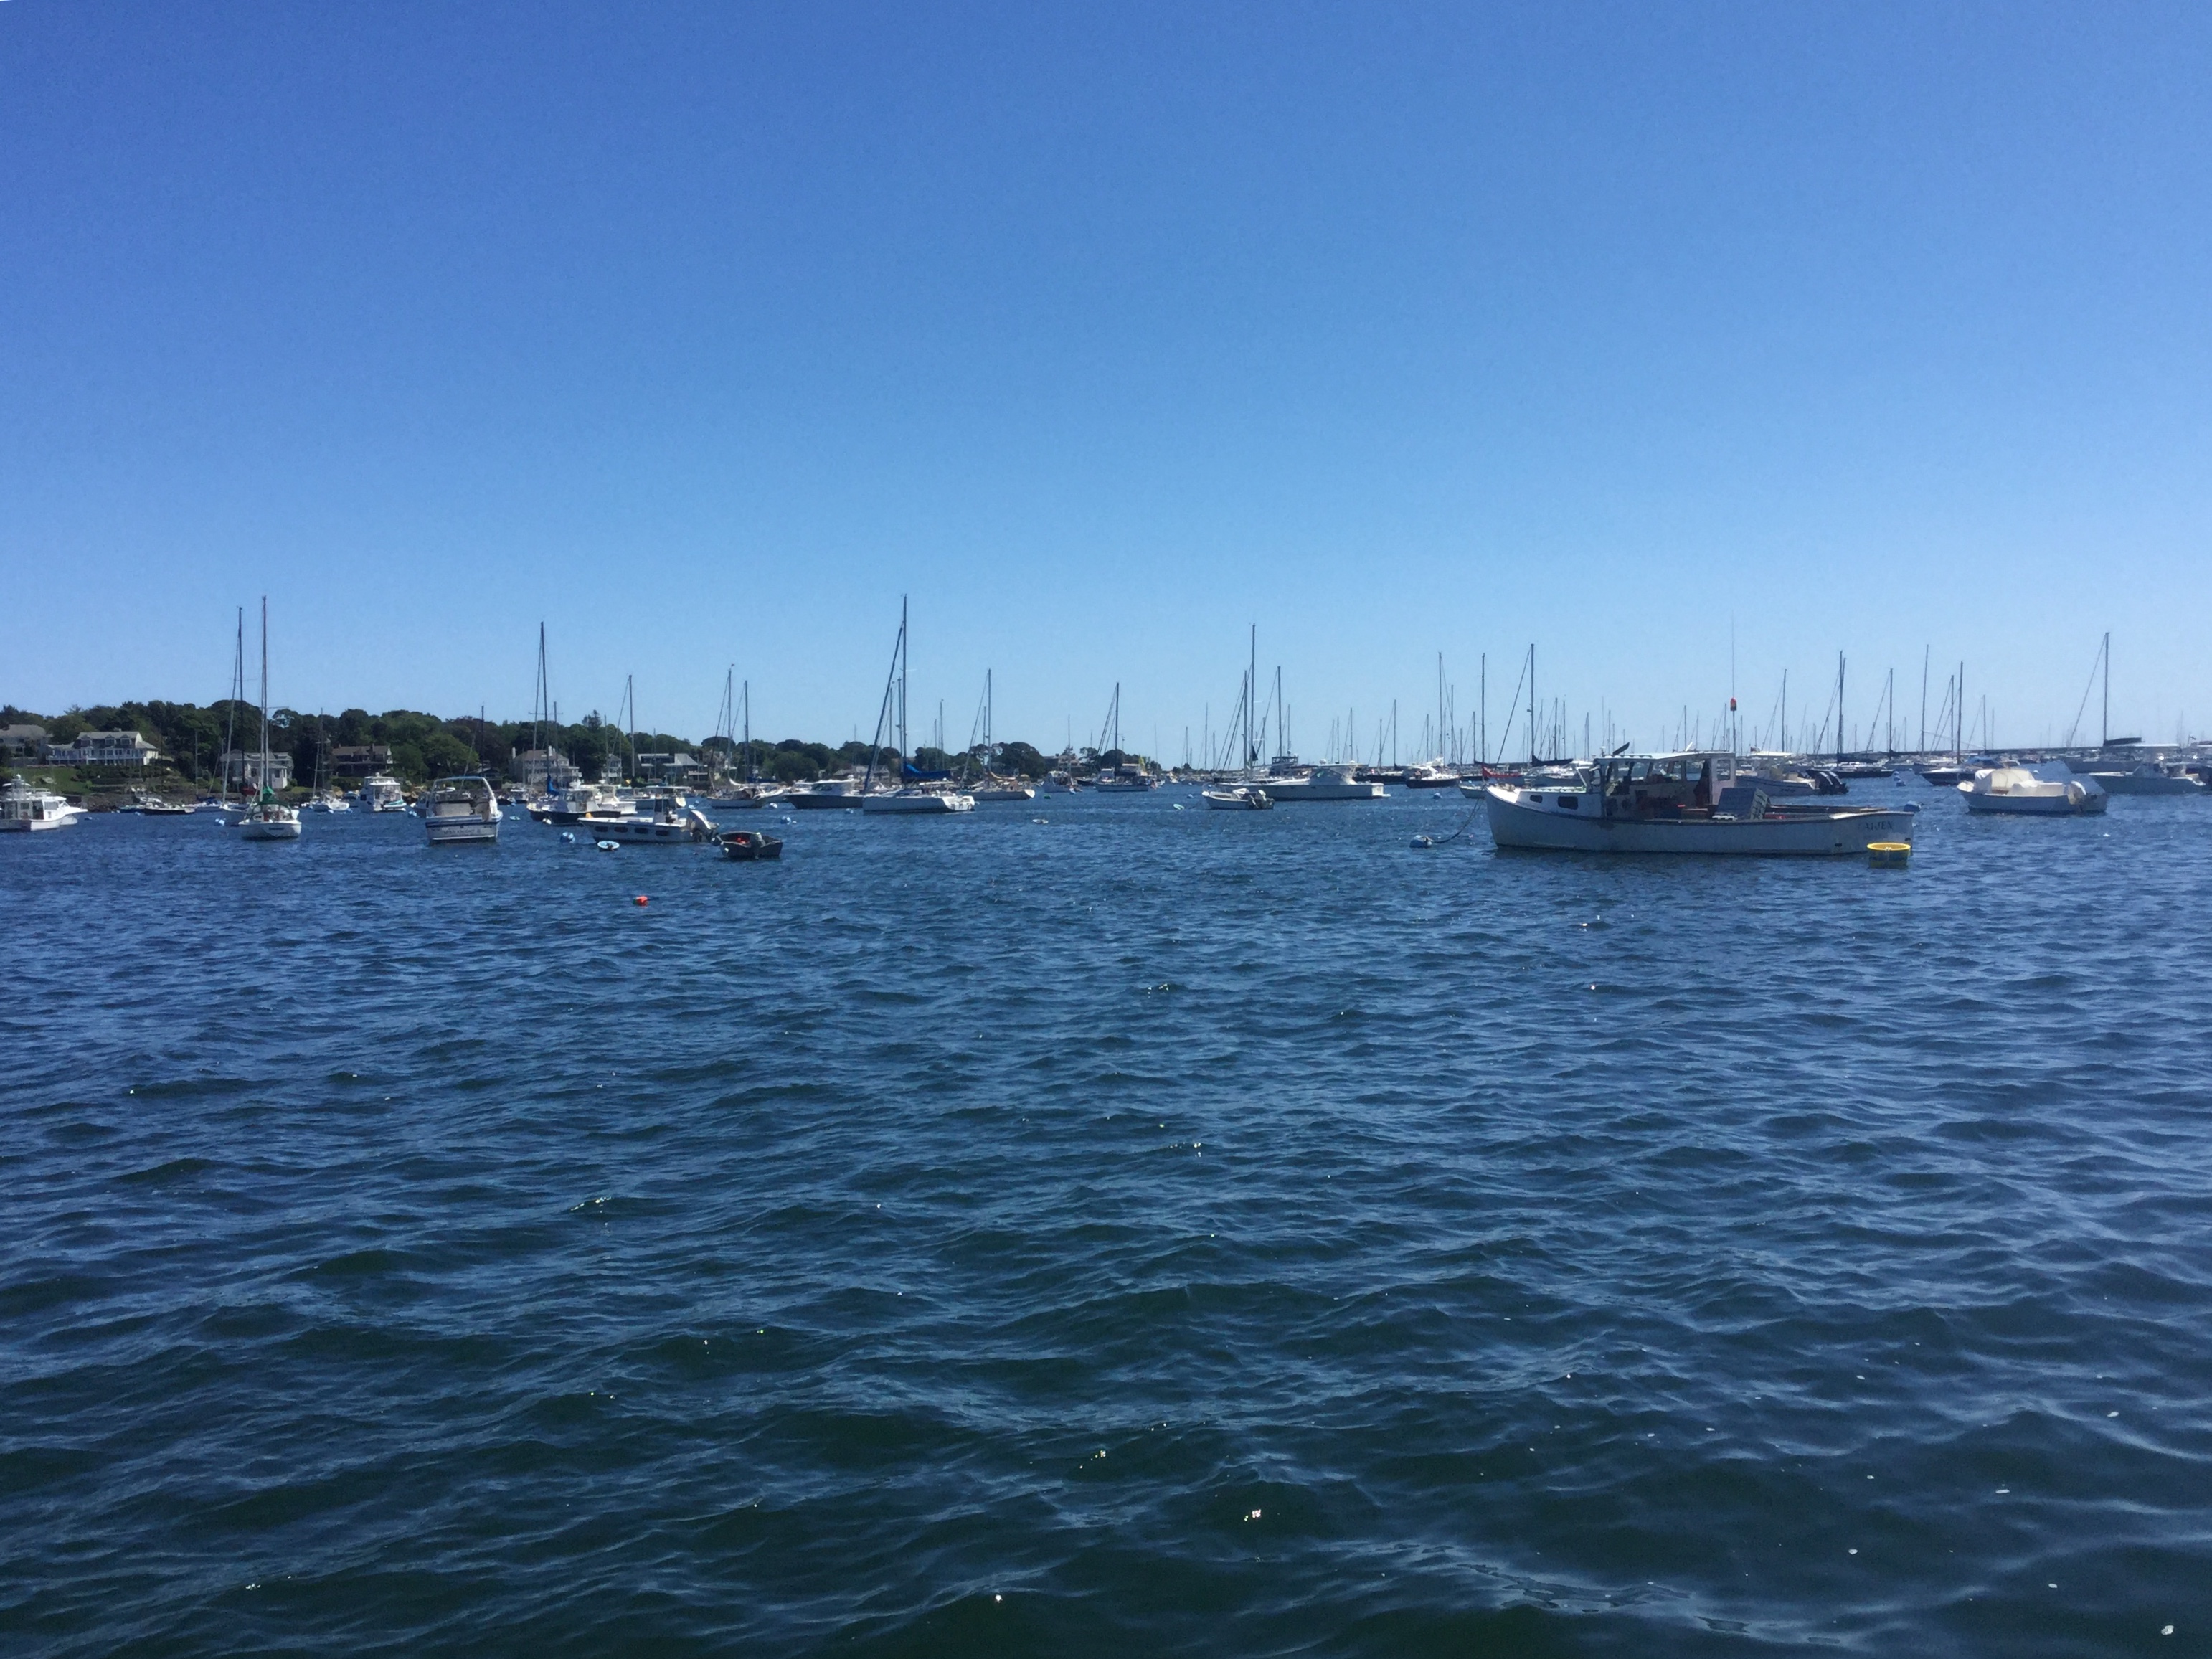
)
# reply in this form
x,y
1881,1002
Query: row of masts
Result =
x,y
1253,718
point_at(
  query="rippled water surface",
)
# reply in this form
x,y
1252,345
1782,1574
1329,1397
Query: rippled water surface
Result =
x,y
1142,1231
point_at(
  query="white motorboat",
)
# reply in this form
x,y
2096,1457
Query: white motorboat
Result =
x,y
826,792
1430,774
2151,778
1238,798
912,802
667,824
23,808
1001,789
1341,782
461,811
1060,783
1679,802
2027,790
379,794
330,801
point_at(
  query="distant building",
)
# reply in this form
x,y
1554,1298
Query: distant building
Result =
x,y
242,771
682,767
360,760
543,769
17,742
103,749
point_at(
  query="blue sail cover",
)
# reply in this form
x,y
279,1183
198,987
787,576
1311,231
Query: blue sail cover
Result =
x,y
913,771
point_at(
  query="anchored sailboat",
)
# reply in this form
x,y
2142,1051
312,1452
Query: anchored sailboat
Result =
x,y
908,798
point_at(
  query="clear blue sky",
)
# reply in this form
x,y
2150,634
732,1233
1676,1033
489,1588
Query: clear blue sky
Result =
x,y
704,332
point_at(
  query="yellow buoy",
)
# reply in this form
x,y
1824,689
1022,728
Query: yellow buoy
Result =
x,y
1888,854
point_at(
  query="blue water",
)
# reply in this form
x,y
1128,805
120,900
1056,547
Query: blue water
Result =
x,y
1144,1231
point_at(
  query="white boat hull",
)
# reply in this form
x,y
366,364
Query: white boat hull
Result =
x,y
918,803
1236,800
270,830
1532,819
2034,806
462,832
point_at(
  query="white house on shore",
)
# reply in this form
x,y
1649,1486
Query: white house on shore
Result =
x,y
242,770
103,749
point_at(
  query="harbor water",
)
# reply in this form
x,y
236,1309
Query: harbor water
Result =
x,y
1091,1227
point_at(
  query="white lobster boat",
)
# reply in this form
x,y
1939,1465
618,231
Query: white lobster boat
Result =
x,y
669,822
461,812
1679,802
23,808
1236,797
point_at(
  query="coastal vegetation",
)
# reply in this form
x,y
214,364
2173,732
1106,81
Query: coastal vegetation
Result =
x,y
416,747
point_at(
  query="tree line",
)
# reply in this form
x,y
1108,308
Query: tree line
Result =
x,y
192,738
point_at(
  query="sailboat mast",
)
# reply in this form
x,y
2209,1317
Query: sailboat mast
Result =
x,y
2104,725
1532,705
1251,696
264,691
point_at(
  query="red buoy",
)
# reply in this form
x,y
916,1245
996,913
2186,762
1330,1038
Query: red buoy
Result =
x,y
641,899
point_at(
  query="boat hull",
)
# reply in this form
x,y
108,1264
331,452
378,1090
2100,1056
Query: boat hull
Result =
x,y
2033,807
808,801
1545,827
917,805
270,830
462,832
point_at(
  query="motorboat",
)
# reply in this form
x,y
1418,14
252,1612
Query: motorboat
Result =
x,y
826,792
1060,783
1237,798
913,801
1340,782
330,801
748,846
1001,789
582,802
23,808
744,797
461,811
2151,778
146,804
667,824
2036,791
379,794
1126,779
1687,802
1430,774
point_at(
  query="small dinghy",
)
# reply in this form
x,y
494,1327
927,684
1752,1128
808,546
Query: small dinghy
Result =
x,y
748,845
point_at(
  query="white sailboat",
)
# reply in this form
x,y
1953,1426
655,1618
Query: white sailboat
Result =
x,y
1247,796
908,799
267,818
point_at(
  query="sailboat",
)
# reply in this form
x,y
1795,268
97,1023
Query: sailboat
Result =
x,y
267,819
908,797
995,787
1247,796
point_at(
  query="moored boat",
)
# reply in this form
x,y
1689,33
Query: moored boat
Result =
x,y
461,811
2028,792
1237,798
1680,803
1324,783
747,846
23,808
